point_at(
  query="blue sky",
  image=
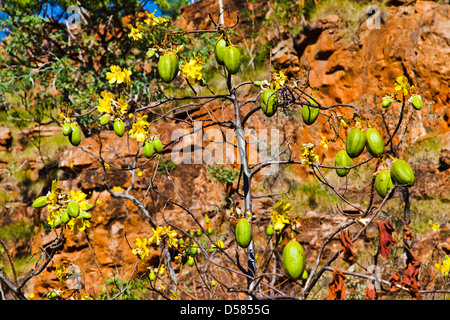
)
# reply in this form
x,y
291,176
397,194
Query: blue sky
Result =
x,y
150,7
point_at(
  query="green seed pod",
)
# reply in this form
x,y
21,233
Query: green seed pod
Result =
x,y
210,230
40,202
65,216
147,149
190,261
152,276
194,249
219,50
104,120
66,129
269,230
232,59
75,135
374,142
57,222
168,67
355,143
416,101
157,145
257,83
119,127
386,102
269,102
305,276
85,215
73,209
203,82
342,160
243,233
294,261
402,173
383,183
150,53
310,114
89,207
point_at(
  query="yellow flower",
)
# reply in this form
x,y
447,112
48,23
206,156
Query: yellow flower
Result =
x,y
78,224
435,226
63,117
104,103
31,296
139,174
213,283
220,245
401,84
127,76
166,233
135,33
117,188
53,196
60,273
279,214
121,107
141,250
156,238
79,197
139,129
153,21
443,268
117,75
344,124
162,269
308,156
86,296
324,142
279,80
175,295
172,241
192,69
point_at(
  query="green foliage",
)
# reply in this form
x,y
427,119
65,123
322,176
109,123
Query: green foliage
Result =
x,y
166,166
222,174
48,68
352,13
171,7
18,230
131,289
287,13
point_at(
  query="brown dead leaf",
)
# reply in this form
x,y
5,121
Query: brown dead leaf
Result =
x,y
337,286
393,280
407,234
411,278
348,245
371,293
386,239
